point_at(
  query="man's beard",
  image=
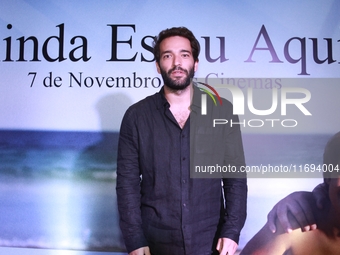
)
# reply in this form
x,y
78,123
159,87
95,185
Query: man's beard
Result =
x,y
177,84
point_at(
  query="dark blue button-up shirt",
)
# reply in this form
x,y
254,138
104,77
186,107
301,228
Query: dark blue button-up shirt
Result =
x,y
160,206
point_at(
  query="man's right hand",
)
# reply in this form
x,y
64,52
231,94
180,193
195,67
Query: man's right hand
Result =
x,y
141,251
297,204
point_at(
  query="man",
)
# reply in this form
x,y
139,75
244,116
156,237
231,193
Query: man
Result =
x,y
162,210
323,240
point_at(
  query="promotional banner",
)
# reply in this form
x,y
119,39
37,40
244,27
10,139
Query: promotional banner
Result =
x,y
70,69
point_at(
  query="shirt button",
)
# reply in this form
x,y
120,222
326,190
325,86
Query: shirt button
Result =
x,y
184,204
184,181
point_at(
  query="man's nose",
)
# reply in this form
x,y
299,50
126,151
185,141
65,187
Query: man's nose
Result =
x,y
177,61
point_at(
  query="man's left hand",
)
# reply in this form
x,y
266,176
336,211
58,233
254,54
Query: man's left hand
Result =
x,y
226,246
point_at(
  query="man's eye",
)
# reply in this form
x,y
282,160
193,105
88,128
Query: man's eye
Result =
x,y
166,56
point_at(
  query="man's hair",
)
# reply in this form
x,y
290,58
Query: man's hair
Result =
x,y
331,157
176,31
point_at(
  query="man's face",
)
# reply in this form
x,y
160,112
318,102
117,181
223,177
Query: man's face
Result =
x,y
176,64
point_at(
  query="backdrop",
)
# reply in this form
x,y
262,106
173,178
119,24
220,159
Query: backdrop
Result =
x,y
69,70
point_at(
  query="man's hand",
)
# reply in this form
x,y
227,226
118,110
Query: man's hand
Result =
x,y
141,251
226,246
298,205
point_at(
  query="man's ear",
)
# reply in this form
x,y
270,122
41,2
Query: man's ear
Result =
x,y
158,68
196,65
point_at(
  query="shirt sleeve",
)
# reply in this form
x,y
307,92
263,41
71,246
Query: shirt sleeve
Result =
x,y
128,184
235,188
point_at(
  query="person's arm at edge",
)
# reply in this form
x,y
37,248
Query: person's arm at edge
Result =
x,y
128,185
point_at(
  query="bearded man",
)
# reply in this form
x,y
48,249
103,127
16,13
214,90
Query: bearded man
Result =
x,y
162,210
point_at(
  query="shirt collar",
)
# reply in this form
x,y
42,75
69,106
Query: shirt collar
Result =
x,y
161,100
196,100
